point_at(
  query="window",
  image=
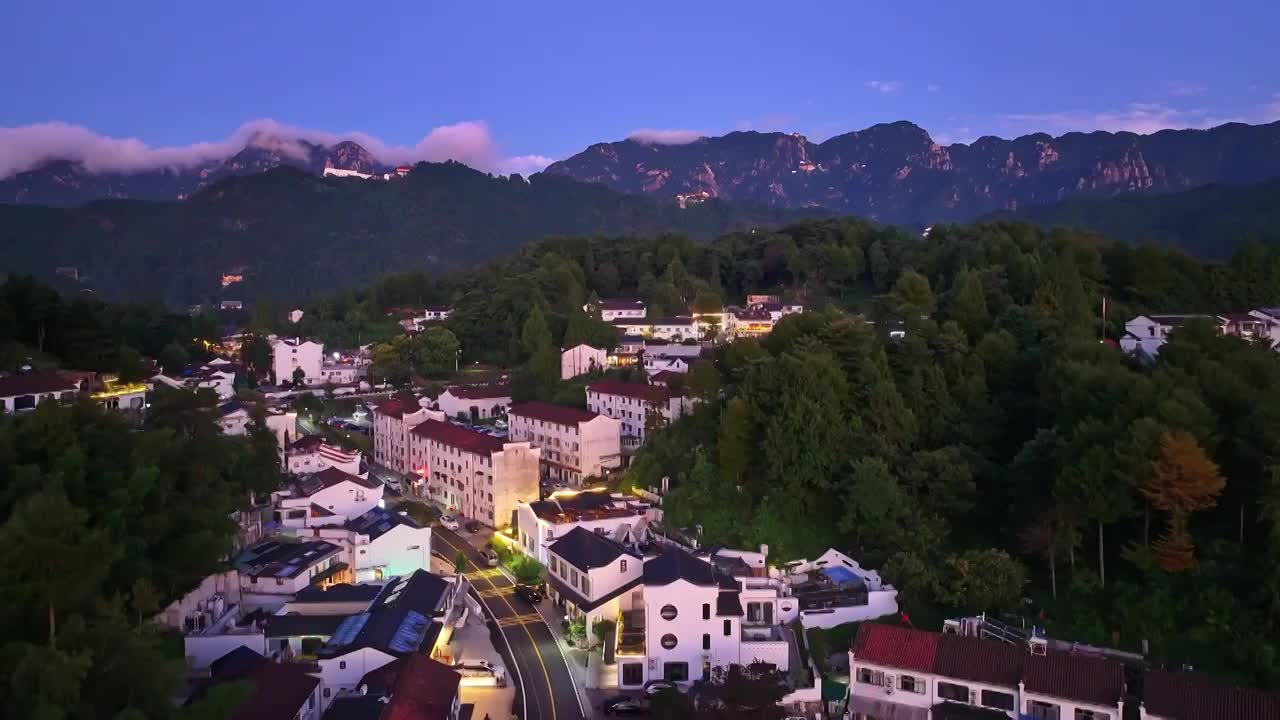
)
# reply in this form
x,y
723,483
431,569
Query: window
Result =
x,y
997,699
1082,714
706,611
911,684
327,691
1043,710
867,676
675,671
706,641
253,580
342,664
728,627
669,641
632,673
311,702
623,565
760,613
669,612
950,691
280,581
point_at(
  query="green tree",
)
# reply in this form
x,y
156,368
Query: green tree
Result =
x,y
460,562
173,358
967,303
130,366
255,352
982,580
299,376
912,296
435,351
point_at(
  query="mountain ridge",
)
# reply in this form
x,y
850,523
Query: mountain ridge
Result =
x,y
896,172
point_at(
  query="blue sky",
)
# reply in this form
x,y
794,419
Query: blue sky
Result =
x,y
515,83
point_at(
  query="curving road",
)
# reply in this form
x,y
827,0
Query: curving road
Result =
x,y
547,687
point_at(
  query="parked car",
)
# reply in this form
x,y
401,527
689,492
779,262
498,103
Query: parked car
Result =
x,y
490,557
473,526
532,594
624,705
450,522
653,687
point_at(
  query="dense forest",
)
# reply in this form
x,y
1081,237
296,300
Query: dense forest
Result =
x,y
295,236
999,451
1208,222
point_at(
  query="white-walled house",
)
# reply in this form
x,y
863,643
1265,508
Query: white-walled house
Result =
x,y
24,391
287,355
217,375
542,522
575,443
233,418
618,309
327,497
633,404
274,570
474,402
589,575
582,359
476,475
380,544
1148,332
311,454
902,672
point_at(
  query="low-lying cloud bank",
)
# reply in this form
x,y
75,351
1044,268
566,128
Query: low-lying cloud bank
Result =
x,y
30,146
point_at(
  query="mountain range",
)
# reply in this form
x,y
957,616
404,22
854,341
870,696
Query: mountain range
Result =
x,y
895,172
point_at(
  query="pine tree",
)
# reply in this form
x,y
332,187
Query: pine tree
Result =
x,y
1182,481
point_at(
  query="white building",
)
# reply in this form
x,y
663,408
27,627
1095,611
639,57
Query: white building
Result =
x,y
1148,332
618,309
233,417
343,172
392,421
471,473
380,544
327,497
288,355
430,314
311,454
295,315
902,672
835,589
217,375
636,406
576,444
26,390
474,402
544,521
273,571
590,574
580,360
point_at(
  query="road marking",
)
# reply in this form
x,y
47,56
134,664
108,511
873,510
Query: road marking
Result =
x,y
497,592
551,691
519,619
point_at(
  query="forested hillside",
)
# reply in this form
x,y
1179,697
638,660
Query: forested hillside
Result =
x,y
1208,222
294,235
999,451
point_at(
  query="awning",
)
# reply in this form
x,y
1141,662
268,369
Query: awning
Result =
x,y
885,709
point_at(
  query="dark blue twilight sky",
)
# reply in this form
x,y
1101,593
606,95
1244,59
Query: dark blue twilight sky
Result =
x,y
513,84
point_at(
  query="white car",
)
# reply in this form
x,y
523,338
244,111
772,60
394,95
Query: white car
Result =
x,y
450,522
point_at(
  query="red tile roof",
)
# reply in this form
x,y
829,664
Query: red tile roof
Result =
x,y
333,476
420,688
621,304
971,658
280,690
895,646
391,408
1074,677
557,414
458,437
34,383
480,392
666,376
639,391
1190,696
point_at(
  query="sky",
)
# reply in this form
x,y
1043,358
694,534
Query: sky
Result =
x,y
511,86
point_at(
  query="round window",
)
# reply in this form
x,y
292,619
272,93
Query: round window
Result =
x,y
669,612
668,640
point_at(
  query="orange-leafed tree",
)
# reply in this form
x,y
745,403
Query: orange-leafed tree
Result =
x,y
1182,480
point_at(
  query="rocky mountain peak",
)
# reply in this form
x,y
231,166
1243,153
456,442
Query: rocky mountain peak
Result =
x,y
349,155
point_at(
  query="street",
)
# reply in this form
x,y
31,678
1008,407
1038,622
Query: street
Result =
x,y
548,689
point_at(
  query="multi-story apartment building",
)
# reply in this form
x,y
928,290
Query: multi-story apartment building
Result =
x,y
474,474
392,421
580,360
575,443
637,406
290,354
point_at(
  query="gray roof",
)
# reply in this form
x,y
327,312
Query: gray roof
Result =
x,y
400,621
278,626
343,592
277,558
585,549
676,564
378,521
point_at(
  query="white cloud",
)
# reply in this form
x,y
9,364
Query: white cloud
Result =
x,y
933,87
524,164
1141,118
656,136
28,146
884,86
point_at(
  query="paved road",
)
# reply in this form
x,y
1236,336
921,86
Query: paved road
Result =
x,y
548,688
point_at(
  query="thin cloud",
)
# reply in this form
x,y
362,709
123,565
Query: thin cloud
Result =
x,y
665,136
884,86
29,146
1141,118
